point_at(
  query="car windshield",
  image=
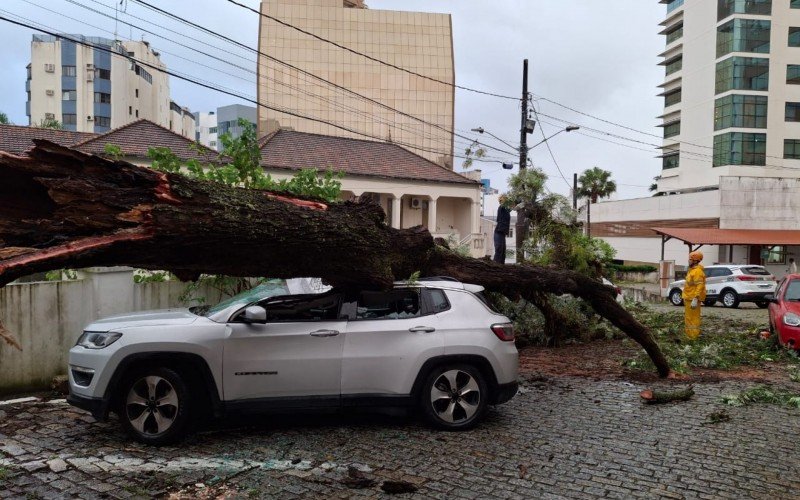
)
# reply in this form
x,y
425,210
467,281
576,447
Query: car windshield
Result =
x,y
264,290
792,291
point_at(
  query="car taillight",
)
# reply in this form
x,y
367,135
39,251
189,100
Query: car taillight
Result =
x,y
504,331
746,278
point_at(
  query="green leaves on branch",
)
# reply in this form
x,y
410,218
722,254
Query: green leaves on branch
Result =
x,y
240,165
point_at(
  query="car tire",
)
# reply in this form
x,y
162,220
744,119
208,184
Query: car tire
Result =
x,y
155,405
709,302
762,304
675,297
729,299
454,397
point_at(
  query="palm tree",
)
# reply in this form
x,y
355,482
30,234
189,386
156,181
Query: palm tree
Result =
x,y
595,183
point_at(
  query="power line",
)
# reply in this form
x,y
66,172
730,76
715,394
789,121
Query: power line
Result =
x,y
547,143
367,56
595,117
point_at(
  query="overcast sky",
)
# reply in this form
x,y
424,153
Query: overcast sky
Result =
x,y
597,57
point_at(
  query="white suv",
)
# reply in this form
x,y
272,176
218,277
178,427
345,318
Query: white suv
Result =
x,y
435,345
731,284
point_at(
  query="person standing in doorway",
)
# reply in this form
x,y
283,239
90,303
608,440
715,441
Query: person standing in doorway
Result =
x,y
501,230
694,293
792,266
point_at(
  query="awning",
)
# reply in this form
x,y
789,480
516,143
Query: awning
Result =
x,y
708,236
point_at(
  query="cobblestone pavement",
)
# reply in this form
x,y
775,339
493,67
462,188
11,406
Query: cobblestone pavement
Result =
x,y
561,437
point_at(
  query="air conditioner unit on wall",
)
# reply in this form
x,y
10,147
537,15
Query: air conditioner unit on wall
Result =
x,y
89,118
50,68
50,92
417,203
49,116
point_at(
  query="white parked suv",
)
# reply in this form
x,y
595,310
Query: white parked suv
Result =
x,y
731,284
435,345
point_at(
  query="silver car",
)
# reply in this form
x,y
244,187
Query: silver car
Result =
x,y
435,345
731,284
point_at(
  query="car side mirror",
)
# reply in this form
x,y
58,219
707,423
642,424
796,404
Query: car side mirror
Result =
x,y
770,298
254,314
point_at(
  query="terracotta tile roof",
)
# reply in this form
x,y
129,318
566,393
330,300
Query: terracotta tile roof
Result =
x,y
17,139
288,149
732,236
137,137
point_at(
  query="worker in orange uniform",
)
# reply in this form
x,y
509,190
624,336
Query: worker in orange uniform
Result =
x,y
694,293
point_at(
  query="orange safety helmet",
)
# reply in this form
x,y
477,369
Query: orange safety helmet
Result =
x,y
696,256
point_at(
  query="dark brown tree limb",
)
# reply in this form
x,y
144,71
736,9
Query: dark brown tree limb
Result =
x,y
63,208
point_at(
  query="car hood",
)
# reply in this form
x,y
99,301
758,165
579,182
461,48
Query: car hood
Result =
x,y
145,318
792,306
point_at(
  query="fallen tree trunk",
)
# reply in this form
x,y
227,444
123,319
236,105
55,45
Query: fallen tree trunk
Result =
x,y
63,208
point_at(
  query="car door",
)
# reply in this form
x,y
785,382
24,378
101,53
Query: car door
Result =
x,y
391,335
775,309
296,353
715,276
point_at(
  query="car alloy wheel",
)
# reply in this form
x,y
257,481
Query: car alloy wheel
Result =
x,y
730,299
455,397
155,405
152,405
675,298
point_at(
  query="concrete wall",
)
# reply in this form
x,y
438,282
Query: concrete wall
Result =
x,y
48,317
759,203
700,205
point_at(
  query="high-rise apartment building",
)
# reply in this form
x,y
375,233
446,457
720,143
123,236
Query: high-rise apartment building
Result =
x,y
419,42
731,91
206,128
88,89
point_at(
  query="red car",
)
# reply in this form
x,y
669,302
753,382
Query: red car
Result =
x,y
784,312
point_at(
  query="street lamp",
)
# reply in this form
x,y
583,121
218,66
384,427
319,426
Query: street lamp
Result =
x,y
480,130
568,129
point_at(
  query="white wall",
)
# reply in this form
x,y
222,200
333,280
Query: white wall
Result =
x,y
760,203
700,205
48,317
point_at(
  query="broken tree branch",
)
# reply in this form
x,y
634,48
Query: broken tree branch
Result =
x,y
63,208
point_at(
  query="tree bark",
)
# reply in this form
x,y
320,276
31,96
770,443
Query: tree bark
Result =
x,y
63,208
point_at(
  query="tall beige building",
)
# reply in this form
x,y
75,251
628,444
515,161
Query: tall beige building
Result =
x,y
93,86
417,41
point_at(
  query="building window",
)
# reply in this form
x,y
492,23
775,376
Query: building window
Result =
x,y
137,93
130,110
212,130
793,111
742,73
102,74
674,65
213,144
743,35
794,37
673,97
144,74
795,4
739,148
102,97
102,121
775,254
28,68
68,71
69,119
672,129
137,113
671,161
726,8
69,95
673,4
746,111
791,149
793,74
674,33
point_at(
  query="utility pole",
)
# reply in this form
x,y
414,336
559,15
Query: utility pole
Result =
x,y
522,223
575,191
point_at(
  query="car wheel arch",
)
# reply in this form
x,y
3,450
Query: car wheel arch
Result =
x,y
180,361
479,362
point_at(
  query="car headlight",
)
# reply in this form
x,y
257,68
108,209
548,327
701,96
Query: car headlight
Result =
x,y
791,319
97,340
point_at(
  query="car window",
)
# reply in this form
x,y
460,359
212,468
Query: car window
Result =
x,y
792,291
393,304
724,271
270,288
712,272
319,307
779,287
755,270
439,303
